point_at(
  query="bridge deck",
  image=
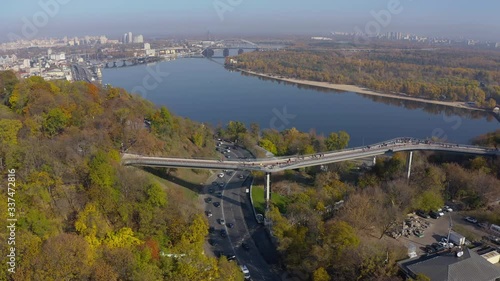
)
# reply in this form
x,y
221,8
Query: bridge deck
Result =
x,y
294,162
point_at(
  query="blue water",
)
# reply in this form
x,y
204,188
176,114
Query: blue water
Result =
x,y
205,91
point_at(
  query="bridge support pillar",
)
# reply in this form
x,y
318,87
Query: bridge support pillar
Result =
x,y
408,164
268,189
374,160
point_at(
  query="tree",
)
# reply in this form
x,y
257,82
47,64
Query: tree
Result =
x,y
8,131
320,274
55,121
269,146
337,141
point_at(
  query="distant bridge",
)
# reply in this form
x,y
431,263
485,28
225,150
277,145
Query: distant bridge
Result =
x,y
240,44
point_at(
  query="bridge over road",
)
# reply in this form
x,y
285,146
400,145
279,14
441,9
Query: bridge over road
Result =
x,y
276,164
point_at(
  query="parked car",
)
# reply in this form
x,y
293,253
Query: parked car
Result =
x,y
231,257
471,219
210,190
217,204
434,215
219,194
245,246
438,247
240,176
215,183
447,208
222,222
208,200
223,233
221,175
230,225
211,229
423,214
209,214
440,212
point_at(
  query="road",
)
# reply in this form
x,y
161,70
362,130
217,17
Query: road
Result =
x,y
235,208
81,73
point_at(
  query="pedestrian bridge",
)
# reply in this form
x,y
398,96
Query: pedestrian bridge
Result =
x,y
276,164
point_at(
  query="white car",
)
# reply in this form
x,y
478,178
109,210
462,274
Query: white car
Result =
x,y
222,222
447,209
245,271
221,175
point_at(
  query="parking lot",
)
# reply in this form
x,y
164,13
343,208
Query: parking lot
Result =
x,y
438,229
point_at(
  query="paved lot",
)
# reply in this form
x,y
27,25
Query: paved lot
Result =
x,y
438,228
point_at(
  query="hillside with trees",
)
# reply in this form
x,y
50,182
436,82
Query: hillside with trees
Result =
x,y
436,74
83,216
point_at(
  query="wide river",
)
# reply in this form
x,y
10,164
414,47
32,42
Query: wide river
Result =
x,y
205,91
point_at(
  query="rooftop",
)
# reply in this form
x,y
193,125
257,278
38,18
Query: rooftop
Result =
x,y
448,266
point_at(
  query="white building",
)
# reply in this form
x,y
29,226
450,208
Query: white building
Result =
x,y
103,39
147,46
139,39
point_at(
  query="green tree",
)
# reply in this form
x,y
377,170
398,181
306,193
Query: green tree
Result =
x,y
269,146
55,121
337,141
320,274
8,131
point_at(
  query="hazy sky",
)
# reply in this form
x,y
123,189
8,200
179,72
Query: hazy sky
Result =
x,y
27,18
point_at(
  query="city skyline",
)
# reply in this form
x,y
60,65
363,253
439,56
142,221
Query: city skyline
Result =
x,y
156,18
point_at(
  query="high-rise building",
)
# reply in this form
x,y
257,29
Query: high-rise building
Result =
x,y
125,38
130,38
139,39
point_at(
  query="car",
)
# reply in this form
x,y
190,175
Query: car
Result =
x,y
483,224
438,247
209,213
217,204
221,175
231,257
245,246
228,156
222,222
230,225
223,233
446,208
429,249
208,200
221,184
211,229
229,173
240,176
446,245
212,242
215,183
440,212
246,272
471,219
434,215
423,214
227,150
219,194
210,190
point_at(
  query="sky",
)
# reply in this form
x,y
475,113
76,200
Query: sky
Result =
x,y
46,18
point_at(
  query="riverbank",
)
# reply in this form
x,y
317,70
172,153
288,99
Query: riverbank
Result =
x,y
360,90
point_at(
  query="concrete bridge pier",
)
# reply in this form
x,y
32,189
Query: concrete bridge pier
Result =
x,y
374,160
408,164
267,189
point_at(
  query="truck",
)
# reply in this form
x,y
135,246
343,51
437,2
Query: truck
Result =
x,y
457,238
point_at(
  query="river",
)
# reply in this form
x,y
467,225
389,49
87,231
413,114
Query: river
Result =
x,y
205,91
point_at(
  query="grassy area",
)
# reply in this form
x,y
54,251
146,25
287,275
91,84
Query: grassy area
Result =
x,y
259,201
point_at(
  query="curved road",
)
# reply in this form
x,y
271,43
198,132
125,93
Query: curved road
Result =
x,y
235,208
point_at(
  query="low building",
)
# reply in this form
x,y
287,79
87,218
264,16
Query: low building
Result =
x,y
493,257
465,265
496,109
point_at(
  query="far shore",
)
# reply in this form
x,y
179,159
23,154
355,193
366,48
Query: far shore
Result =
x,y
360,90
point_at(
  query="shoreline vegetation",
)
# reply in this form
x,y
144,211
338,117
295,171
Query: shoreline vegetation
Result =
x,y
360,90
